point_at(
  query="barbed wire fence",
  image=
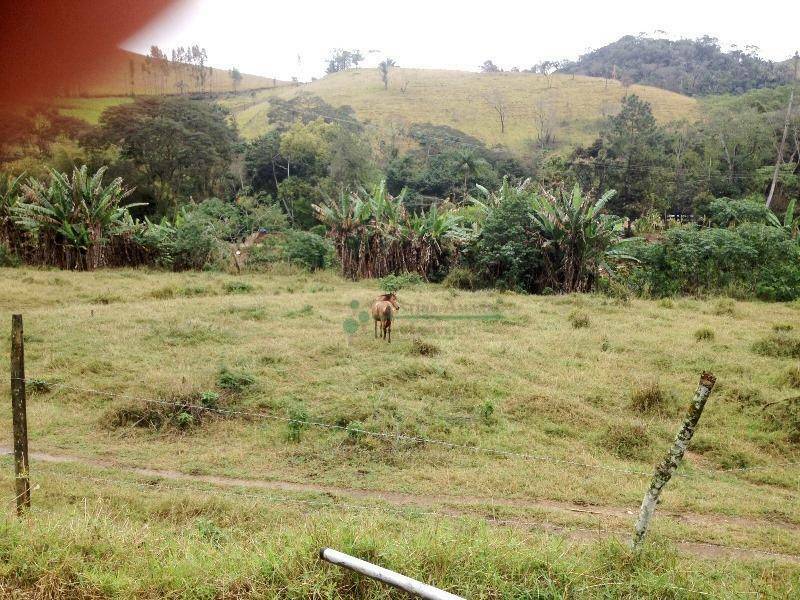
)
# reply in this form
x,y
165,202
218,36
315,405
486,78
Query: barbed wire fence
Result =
x,y
419,510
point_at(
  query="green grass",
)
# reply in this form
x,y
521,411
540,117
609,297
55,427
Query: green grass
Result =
x,y
528,382
577,106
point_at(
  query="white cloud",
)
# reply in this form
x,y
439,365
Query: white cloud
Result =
x,y
286,39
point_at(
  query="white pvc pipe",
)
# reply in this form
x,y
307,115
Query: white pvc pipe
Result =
x,y
422,590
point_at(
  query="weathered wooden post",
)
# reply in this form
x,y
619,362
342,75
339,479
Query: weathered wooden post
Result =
x,y
19,416
674,457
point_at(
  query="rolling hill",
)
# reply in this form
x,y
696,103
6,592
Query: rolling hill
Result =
x,y
574,106
127,73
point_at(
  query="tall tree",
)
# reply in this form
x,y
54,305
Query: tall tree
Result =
x,y
785,132
236,78
341,59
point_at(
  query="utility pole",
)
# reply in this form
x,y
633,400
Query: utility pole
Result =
x,y
785,132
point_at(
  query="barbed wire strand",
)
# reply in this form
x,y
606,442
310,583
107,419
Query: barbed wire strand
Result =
x,y
409,438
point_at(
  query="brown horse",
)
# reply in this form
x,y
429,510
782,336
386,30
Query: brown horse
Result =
x,y
383,310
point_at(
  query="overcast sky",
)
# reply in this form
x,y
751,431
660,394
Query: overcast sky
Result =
x,y
292,38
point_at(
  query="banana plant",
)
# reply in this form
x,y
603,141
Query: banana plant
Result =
x,y
790,224
76,213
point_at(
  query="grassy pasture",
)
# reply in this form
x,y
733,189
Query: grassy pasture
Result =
x,y
578,379
577,107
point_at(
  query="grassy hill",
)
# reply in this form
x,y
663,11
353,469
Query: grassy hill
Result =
x,y
127,73
576,106
138,500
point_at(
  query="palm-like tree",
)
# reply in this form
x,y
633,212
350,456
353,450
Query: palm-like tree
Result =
x,y
374,234
790,223
10,193
576,237
72,216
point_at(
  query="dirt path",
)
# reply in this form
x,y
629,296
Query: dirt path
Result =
x,y
454,505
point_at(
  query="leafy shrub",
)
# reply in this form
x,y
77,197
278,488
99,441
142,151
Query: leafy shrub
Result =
x,y
579,319
355,431
649,398
704,334
487,413
298,420
234,381
462,278
750,260
308,249
209,400
394,283
724,212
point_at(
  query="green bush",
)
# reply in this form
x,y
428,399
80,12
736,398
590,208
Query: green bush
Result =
x,y
724,212
748,260
778,345
505,255
234,381
579,319
704,334
394,283
7,257
462,278
308,249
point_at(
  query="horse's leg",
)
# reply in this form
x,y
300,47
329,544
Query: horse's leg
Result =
x,y
376,328
389,331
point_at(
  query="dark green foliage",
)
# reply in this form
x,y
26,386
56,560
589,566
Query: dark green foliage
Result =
x,y
184,146
298,421
725,212
508,254
308,249
693,67
234,381
628,157
750,259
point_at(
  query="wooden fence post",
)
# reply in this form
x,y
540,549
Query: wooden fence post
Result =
x,y
19,416
674,457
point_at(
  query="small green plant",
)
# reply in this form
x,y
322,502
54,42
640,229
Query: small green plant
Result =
x,y
606,345
649,398
105,298
210,400
487,413
208,531
238,287
778,345
298,421
666,303
782,327
704,334
184,420
7,257
355,431
579,319
37,385
234,381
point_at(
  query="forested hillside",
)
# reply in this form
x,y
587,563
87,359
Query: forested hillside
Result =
x,y
692,67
